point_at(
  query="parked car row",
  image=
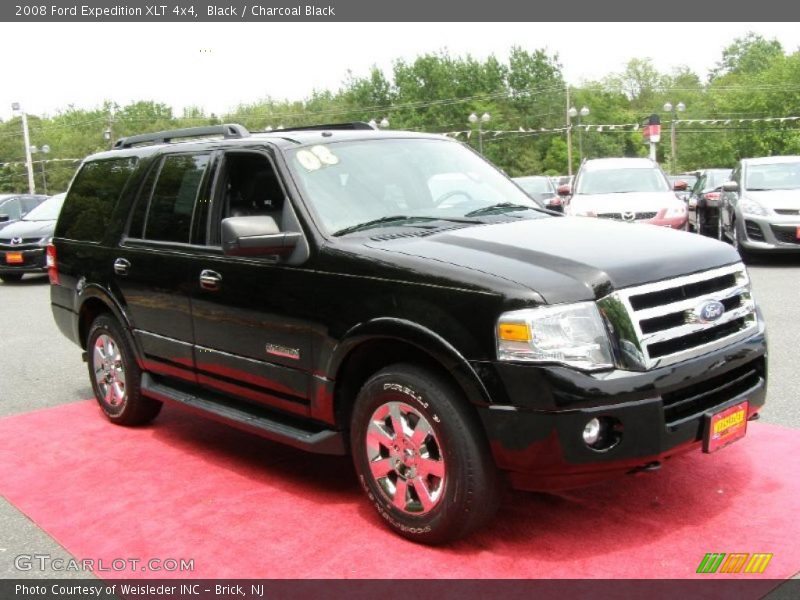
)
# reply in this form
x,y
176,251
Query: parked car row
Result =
x,y
755,206
23,242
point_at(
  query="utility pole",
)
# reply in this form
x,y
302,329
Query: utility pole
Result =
x,y
569,136
26,138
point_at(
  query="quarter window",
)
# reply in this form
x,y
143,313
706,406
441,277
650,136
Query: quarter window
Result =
x,y
169,217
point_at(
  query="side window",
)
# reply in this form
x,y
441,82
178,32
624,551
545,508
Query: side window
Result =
x,y
169,217
136,228
28,204
92,198
11,208
699,185
249,187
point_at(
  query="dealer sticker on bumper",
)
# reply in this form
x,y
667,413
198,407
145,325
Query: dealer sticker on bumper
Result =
x,y
725,427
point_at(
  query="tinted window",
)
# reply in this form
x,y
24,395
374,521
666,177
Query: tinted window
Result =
x,y
10,208
92,197
169,217
136,229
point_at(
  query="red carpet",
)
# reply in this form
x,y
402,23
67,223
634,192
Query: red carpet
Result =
x,y
244,507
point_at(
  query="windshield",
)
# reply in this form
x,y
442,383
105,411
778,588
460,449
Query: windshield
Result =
x,y
622,181
352,183
535,185
47,210
775,176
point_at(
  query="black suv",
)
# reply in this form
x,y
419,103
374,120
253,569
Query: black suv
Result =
x,y
394,296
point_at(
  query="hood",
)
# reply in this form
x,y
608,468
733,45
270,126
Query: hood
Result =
x,y
631,202
569,259
28,229
776,198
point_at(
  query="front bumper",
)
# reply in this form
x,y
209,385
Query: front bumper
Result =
x,y
537,437
770,233
33,260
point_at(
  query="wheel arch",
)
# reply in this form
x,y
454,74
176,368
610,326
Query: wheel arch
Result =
x,y
94,301
376,344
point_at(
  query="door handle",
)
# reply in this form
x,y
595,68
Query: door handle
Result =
x,y
121,266
210,280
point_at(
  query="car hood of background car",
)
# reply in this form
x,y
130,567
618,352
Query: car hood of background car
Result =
x,y
567,259
28,229
630,202
776,198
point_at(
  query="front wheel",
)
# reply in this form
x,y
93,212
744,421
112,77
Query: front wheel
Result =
x,y
115,375
421,456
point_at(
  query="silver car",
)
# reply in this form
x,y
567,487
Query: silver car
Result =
x,y
760,206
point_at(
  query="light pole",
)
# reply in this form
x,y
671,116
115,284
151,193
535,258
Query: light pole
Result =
x,y
484,118
673,146
43,150
27,140
572,113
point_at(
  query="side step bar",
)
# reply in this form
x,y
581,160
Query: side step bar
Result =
x,y
255,421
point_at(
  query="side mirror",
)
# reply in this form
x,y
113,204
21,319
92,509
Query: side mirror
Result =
x,y
730,186
680,186
256,236
3,218
555,204
564,190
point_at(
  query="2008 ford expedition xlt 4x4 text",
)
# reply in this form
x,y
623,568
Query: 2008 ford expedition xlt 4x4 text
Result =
x,y
394,296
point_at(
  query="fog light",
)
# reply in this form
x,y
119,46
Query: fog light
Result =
x,y
591,432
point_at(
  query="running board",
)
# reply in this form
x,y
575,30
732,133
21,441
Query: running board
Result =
x,y
255,420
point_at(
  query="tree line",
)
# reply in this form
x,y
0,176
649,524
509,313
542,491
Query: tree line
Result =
x,y
525,95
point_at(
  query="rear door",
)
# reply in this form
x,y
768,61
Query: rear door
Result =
x,y
154,262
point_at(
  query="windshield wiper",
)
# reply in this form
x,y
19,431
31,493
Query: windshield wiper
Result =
x,y
500,208
400,218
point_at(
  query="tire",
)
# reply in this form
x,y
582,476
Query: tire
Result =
x,y
704,226
115,375
747,255
11,277
442,464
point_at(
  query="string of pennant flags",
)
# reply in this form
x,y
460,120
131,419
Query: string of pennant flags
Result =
x,y
605,127
49,160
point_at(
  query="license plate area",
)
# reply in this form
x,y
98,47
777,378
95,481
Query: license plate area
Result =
x,y
725,427
14,258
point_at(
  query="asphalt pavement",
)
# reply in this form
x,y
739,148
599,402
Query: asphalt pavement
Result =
x,y
40,368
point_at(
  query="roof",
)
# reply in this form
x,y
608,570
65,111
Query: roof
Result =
x,y
281,139
600,164
768,160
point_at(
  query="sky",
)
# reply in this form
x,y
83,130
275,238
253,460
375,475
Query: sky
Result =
x,y
49,66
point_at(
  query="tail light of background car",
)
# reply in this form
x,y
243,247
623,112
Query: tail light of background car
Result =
x,y
52,265
711,195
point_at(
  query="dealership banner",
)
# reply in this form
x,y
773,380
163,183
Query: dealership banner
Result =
x,y
370,10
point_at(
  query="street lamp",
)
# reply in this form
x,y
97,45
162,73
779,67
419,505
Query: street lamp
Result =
x,y
572,113
673,146
27,140
484,118
107,135
383,124
43,150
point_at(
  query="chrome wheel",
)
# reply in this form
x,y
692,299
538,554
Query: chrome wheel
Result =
x,y
405,458
109,370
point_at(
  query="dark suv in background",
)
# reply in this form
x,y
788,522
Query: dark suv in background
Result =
x,y
393,296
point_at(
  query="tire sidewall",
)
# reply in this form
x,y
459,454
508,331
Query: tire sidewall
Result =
x,y
108,326
438,403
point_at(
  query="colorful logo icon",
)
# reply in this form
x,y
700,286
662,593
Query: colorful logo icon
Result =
x,y
735,562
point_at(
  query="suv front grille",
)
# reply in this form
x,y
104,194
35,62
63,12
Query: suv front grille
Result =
x,y
660,323
691,401
25,244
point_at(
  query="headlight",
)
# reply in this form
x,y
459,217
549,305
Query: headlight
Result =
x,y
675,212
751,207
571,334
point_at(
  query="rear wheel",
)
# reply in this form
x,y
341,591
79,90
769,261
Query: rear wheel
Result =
x,y
115,375
11,277
421,456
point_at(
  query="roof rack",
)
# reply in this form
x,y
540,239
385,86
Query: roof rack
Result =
x,y
325,127
228,131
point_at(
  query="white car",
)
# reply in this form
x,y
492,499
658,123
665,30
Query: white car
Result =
x,y
625,189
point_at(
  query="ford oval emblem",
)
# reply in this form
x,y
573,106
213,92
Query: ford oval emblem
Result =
x,y
710,311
